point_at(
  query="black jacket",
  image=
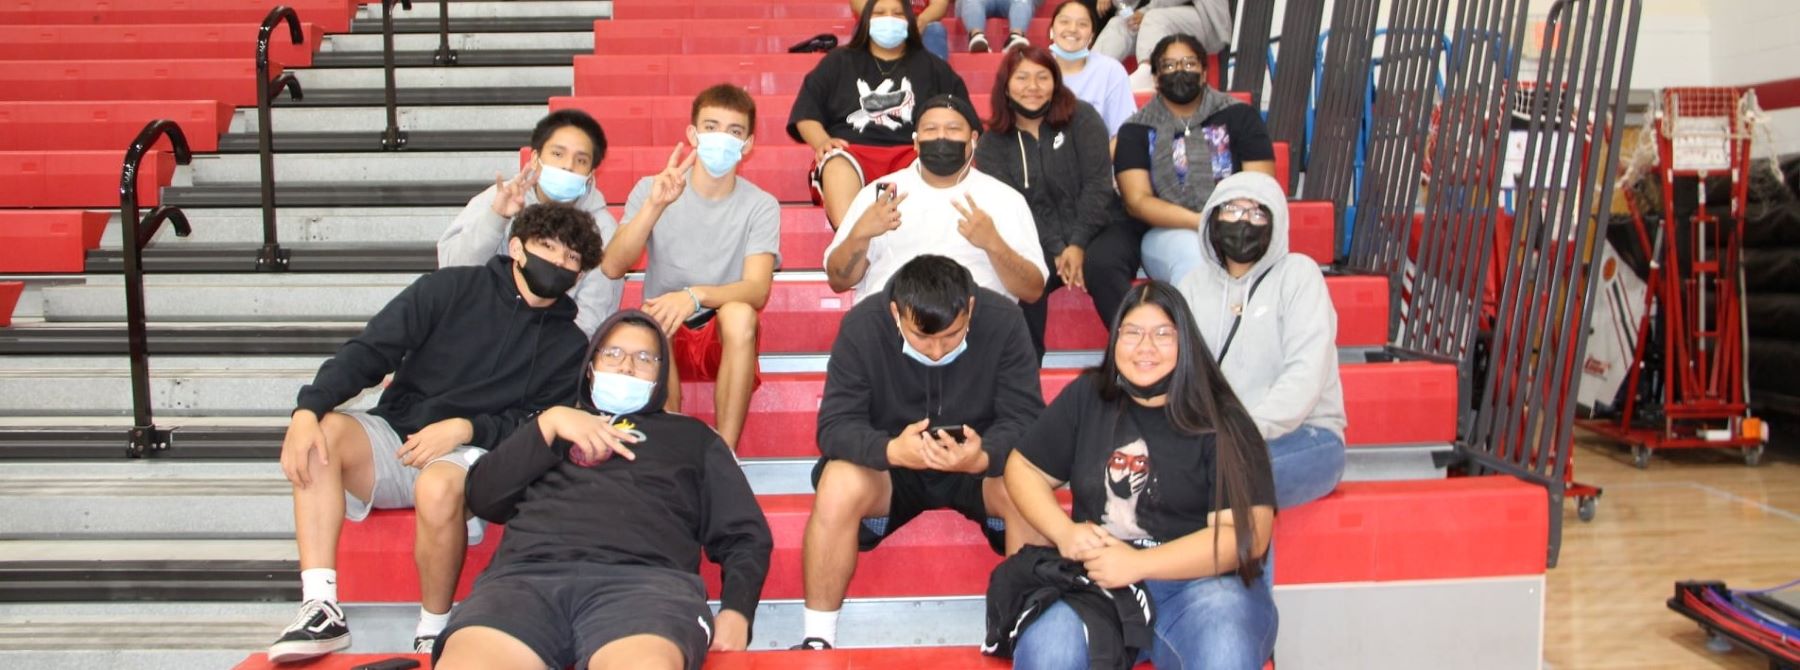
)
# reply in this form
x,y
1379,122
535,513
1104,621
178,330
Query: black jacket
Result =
x,y
1118,620
461,343
872,390
1065,173
684,493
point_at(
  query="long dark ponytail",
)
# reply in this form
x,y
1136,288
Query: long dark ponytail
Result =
x,y
1200,401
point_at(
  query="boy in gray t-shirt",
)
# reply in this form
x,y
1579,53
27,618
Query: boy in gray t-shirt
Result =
x,y
714,243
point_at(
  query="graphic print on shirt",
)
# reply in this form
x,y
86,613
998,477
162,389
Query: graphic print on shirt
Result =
x,y
1220,140
888,105
1127,482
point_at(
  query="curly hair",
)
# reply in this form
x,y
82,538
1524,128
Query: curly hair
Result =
x,y
564,223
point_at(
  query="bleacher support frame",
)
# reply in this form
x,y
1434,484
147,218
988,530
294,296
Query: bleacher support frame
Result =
x,y
392,138
1293,82
1251,53
144,437
272,258
1331,165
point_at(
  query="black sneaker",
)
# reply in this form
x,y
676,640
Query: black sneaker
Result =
x,y
318,630
811,644
425,644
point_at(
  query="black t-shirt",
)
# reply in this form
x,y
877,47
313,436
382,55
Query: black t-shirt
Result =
x,y
1132,472
1236,133
864,100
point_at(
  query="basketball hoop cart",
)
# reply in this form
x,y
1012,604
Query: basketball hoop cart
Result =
x,y
1687,386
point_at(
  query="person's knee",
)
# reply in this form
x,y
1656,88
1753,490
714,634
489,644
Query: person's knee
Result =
x,y
993,494
340,431
845,494
1057,639
438,494
737,324
838,170
638,652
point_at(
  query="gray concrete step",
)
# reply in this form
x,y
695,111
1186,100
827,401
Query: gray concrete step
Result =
x,y
373,166
428,9
340,225
463,41
439,77
334,119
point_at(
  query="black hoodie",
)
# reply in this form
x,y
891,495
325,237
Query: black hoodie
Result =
x,y
684,493
872,390
461,343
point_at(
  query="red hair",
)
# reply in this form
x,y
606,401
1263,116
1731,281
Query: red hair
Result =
x,y
1062,100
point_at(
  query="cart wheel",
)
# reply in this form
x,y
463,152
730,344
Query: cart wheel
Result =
x,y
1753,455
1640,456
1584,507
1717,643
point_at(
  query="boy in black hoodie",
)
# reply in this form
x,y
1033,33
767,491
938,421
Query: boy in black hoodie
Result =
x,y
472,351
608,505
932,356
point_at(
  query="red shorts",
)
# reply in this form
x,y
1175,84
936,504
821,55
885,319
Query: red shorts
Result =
x,y
872,163
698,354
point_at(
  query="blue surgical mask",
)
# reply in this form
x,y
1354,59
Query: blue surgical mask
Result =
x,y
1066,54
887,31
559,184
906,347
719,152
617,394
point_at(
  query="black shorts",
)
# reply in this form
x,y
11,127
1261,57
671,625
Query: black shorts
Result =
x,y
567,611
918,491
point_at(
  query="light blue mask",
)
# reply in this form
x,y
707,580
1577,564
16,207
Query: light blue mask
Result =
x,y
1066,54
559,184
719,152
617,394
887,31
906,347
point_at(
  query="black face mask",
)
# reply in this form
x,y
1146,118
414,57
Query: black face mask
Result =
x,y
546,279
1028,113
1180,87
944,158
1159,387
1240,241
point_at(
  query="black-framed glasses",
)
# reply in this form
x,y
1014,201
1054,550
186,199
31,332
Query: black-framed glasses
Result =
x,y
643,361
1179,65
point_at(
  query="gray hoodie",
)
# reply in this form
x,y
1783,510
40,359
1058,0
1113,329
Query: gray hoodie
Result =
x,y
1283,362
478,234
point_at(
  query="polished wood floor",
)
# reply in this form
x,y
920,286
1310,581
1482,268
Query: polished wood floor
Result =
x,y
1694,514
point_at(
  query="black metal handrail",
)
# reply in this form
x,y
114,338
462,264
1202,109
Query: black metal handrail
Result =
x,y
145,438
272,258
445,55
393,138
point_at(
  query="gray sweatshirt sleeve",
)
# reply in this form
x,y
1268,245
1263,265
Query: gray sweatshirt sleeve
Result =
x,y
475,235
597,296
1308,350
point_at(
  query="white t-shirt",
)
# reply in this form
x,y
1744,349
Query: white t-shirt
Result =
x,y
928,226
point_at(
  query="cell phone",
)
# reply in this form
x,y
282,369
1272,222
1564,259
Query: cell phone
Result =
x,y
699,319
884,190
956,432
395,663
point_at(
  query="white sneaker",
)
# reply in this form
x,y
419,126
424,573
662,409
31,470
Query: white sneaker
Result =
x,y
1016,41
318,630
477,530
978,44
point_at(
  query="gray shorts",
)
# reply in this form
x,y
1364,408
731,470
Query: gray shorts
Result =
x,y
394,480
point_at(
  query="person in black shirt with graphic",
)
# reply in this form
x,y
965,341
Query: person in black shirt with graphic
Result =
x,y
607,506
856,108
1172,486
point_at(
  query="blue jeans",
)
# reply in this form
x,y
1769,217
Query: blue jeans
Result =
x,y
1216,623
975,13
1308,464
937,40
1170,253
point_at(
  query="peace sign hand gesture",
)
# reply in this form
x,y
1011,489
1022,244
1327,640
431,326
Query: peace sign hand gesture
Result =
x,y
509,195
976,226
667,185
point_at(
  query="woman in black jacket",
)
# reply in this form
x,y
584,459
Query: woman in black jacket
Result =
x,y
1053,149
608,505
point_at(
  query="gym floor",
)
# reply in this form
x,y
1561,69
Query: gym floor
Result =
x,y
1694,514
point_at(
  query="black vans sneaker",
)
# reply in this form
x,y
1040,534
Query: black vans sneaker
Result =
x,y
425,644
318,630
811,644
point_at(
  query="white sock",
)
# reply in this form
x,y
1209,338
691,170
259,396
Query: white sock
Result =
x,y
822,625
318,584
430,624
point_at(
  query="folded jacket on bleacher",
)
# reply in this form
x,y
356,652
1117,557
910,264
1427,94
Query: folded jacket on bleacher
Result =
x,y
461,343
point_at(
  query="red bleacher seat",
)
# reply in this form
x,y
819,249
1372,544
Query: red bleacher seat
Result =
x,y
47,241
663,119
712,35
1461,528
9,298
58,126
153,42
226,80
332,15
1311,226
760,74
997,29
77,178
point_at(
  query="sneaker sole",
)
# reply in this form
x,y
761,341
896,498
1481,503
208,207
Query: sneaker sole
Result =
x,y
292,652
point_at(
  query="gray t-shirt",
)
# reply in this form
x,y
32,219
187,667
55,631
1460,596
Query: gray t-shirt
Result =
x,y
700,242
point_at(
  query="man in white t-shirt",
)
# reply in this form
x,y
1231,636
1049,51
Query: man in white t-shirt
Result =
x,y
940,205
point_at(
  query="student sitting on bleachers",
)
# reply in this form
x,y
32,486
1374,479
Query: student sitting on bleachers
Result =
x,y
566,148
1267,315
473,351
929,386
940,205
1096,78
856,108
1171,487
975,13
1142,23
1169,156
714,241
607,507
1052,149
930,21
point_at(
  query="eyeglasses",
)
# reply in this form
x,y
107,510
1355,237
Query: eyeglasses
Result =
x,y
1253,214
644,361
1132,336
1182,65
